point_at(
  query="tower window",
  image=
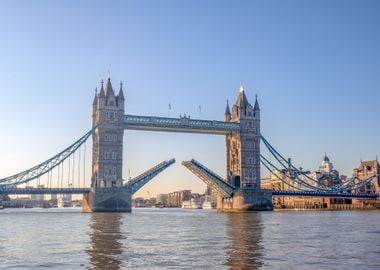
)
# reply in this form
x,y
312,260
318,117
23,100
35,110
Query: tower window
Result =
x,y
111,137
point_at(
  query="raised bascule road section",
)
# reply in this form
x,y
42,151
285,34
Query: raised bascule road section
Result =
x,y
240,190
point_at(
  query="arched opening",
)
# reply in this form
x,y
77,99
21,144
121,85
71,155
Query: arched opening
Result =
x,y
237,181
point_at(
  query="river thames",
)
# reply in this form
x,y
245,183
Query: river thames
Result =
x,y
189,239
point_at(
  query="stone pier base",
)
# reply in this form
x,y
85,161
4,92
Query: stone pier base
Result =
x,y
114,199
246,200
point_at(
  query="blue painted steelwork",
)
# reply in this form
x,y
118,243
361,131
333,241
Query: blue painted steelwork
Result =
x,y
182,124
31,190
138,182
213,180
293,173
323,194
46,166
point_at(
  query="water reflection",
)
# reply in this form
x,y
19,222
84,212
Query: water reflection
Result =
x,y
245,233
106,237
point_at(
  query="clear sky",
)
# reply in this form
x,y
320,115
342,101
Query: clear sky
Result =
x,y
314,64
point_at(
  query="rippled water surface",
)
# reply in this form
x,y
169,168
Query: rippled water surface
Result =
x,y
188,239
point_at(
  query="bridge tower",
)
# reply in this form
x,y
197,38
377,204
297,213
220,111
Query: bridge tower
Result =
x,y
107,160
243,159
243,148
107,193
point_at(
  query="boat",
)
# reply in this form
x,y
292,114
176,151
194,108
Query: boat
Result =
x,y
208,205
64,201
192,204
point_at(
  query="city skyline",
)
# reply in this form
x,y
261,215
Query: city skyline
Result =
x,y
47,93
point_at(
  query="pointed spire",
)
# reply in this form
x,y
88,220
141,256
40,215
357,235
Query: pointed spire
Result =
x,y
227,112
108,88
121,94
101,93
256,107
241,88
326,158
242,101
96,97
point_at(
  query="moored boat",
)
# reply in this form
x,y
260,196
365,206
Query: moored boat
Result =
x,y
192,204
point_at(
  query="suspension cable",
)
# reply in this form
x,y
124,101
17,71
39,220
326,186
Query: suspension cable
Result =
x,y
73,172
275,174
278,156
84,164
79,154
68,176
295,179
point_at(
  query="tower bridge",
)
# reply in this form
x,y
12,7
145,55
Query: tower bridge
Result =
x,y
240,190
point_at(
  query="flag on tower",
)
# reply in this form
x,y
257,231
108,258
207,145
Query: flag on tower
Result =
x,y
170,106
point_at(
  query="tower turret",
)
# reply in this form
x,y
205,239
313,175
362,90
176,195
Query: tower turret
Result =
x,y
256,109
101,92
243,147
120,96
108,138
227,113
108,89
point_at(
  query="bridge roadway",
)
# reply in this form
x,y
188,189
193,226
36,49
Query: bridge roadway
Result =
x,y
33,191
182,124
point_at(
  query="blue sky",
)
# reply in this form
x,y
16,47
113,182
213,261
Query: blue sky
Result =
x,y
314,64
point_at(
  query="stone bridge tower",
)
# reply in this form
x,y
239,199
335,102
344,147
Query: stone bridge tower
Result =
x,y
243,148
107,154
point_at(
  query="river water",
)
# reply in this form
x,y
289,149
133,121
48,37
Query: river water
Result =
x,y
188,239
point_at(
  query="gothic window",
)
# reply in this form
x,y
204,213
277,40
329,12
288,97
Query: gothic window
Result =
x,y
110,155
111,115
111,137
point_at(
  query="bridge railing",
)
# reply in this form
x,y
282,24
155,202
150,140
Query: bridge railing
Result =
x,y
183,123
138,182
213,180
34,191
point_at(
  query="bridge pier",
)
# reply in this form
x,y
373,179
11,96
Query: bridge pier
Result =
x,y
113,199
246,200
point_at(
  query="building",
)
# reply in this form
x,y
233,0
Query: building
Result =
x,y
176,198
162,199
107,154
325,176
365,170
243,147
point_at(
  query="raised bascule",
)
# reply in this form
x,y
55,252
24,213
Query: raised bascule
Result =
x,y
240,190
241,129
